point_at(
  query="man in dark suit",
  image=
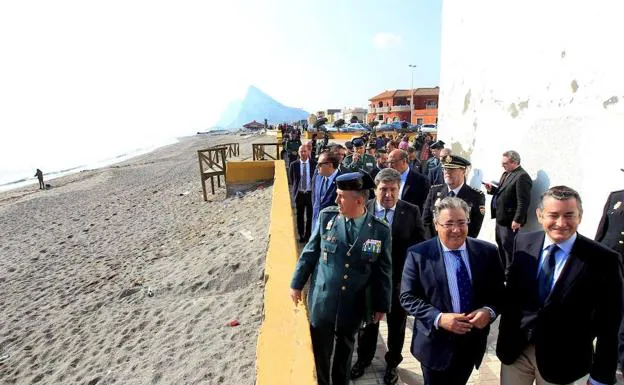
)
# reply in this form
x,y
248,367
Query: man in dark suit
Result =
x,y
563,291
510,203
324,184
349,255
414,186
453,287
407,230
455,186
611,227
300,174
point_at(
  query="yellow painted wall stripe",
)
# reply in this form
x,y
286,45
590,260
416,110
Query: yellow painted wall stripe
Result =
x,y
246,172
284,351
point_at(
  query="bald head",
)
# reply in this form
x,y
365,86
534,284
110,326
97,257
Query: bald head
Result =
x,y
304,152
398,160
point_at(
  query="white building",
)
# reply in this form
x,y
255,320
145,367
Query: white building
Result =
x,y
348,113
544,78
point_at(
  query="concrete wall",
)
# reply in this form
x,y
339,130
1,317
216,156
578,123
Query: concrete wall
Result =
x,y
545,78
284,351
246,172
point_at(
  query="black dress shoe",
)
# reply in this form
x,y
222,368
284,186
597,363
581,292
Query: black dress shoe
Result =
x,y
358,369
391,377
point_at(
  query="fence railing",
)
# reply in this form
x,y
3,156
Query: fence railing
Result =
x,y
211,165
260,151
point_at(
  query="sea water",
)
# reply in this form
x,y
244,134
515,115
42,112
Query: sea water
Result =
x,y
21,155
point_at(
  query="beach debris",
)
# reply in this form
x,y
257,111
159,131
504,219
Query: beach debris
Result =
x,y
149,292
4,357
247,235
184,193
233,323
240,194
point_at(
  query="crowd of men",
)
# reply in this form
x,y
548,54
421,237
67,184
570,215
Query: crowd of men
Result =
x,y
390,229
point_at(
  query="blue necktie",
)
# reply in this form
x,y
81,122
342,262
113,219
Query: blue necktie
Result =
x,y
323,186
546,274
463,284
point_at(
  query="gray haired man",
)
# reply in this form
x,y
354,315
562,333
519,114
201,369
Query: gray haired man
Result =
x,y
406,230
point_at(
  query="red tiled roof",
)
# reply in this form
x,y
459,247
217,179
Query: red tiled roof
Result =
x,y
406,93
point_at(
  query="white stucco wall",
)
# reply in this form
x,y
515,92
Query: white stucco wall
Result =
x,y
544,78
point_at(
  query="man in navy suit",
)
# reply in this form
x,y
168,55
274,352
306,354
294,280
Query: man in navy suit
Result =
x,y
414,186
453,287
324,183
564,291
300,174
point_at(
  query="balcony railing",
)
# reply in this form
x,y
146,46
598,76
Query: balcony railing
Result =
x,y
401,108
382,109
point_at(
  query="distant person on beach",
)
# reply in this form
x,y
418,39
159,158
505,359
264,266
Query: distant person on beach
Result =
x,y
39,175
349,255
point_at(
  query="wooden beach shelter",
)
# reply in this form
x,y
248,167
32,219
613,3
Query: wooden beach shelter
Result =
x,y
253,125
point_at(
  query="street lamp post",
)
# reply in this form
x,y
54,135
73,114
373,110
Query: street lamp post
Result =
x,y
412,66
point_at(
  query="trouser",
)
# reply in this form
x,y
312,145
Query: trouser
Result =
x,y
524,370
367,336
303,203
457,373
505,237
324,338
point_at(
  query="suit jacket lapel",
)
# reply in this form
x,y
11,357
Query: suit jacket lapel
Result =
x,y
406,186
399,212
512,175
440,276
573,267
475,266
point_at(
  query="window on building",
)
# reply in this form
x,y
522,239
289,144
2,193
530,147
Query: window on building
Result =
x,y
380,117
431,104
380,104
419,121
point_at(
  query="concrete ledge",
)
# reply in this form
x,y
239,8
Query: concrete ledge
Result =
x,y
284,349
247,172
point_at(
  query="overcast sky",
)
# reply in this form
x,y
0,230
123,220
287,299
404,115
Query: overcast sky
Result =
x,y
73,66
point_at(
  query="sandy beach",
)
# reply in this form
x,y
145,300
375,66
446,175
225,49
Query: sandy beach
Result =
x,y
124,275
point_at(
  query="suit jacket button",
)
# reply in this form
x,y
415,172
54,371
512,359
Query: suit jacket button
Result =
x,y
621,242
345,276
348,254
622,233
347,265
344,288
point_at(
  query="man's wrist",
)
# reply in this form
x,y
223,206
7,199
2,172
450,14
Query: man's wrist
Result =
x,y
492,313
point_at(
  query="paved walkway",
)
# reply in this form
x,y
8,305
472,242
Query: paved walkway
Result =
x,y
409,370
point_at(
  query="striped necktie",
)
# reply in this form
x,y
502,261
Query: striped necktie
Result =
x,y
546,274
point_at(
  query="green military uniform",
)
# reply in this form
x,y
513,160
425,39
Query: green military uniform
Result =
x,y
292,149
352,268
365,163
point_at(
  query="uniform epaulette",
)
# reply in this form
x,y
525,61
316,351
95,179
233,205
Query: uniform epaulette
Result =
x,y
380,220
330,209
437,185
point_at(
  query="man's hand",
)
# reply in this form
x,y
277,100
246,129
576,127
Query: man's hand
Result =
x,y
295,295
488,186
356,156
480,318
378,316
455,323
515,226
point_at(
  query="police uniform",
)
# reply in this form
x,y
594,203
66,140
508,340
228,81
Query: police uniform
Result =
x,y
353,279
432,162
473,197
611,228
365,163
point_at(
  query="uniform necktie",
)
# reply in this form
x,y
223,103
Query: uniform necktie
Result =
x,y
386,215
304,177
451,193
350,235
463,283
546,274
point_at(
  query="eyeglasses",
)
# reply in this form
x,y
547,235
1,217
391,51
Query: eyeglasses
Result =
x,y
451,225
319,164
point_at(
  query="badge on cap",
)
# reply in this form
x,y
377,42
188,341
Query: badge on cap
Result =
x,y
617,205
